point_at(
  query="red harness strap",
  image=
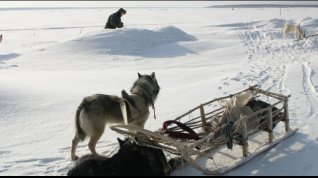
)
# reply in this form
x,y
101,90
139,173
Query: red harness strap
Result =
x,y
190,135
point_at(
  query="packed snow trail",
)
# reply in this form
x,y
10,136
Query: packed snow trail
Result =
x,y
270,58
281,65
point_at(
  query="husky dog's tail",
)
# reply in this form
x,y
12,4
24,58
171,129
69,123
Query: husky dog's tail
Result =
x,y
81,135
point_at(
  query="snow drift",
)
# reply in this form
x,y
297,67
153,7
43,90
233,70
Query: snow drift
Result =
x,y
132,41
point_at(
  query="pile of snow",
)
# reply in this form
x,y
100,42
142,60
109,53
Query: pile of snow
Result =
x,y
266,24
309,22
271,24
7,56
132,41
106,47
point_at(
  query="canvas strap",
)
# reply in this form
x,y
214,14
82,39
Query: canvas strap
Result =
x,y
123,109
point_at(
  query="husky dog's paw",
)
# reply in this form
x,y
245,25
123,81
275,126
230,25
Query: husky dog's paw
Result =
x,y
75,158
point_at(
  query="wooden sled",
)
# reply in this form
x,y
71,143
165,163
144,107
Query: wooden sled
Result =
x,y
247,137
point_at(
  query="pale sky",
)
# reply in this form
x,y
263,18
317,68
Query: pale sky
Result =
x,y
8,4
30,4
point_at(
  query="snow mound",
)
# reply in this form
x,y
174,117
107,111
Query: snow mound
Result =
x,y
309,23
267,24
7,56
274,24
127,41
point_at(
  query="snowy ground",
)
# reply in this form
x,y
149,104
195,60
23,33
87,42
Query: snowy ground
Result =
x,y
51,59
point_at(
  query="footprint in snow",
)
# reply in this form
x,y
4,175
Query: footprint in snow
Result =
x,y
226,83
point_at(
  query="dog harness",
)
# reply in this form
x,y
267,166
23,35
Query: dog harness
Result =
x,y
190,135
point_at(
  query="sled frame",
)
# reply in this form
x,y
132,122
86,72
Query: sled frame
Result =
x,y
187,149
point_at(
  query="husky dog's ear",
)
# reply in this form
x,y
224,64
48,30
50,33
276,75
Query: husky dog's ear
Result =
x,y
124,94
139,75
153,75
121,143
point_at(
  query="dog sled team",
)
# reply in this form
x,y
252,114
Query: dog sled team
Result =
x,y
99,110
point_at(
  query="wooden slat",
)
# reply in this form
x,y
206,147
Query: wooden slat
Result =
x,y
270,126
286,117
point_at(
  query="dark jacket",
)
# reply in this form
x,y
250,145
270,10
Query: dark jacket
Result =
x,y
114,20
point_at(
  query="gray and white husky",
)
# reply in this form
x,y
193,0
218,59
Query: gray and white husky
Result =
x,y
98,110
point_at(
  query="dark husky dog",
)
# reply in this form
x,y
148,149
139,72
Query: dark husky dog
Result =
x,y
98,110
257,105
131,160
262,124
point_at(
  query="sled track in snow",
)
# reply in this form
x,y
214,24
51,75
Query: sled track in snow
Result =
x,y
269,52
269,56
309,90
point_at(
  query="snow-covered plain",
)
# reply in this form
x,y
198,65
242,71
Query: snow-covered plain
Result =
x,y
51,59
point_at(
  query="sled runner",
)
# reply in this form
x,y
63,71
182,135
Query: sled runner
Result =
x,y
227,131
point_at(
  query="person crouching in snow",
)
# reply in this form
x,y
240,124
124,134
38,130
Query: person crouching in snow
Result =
x,y
114,20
